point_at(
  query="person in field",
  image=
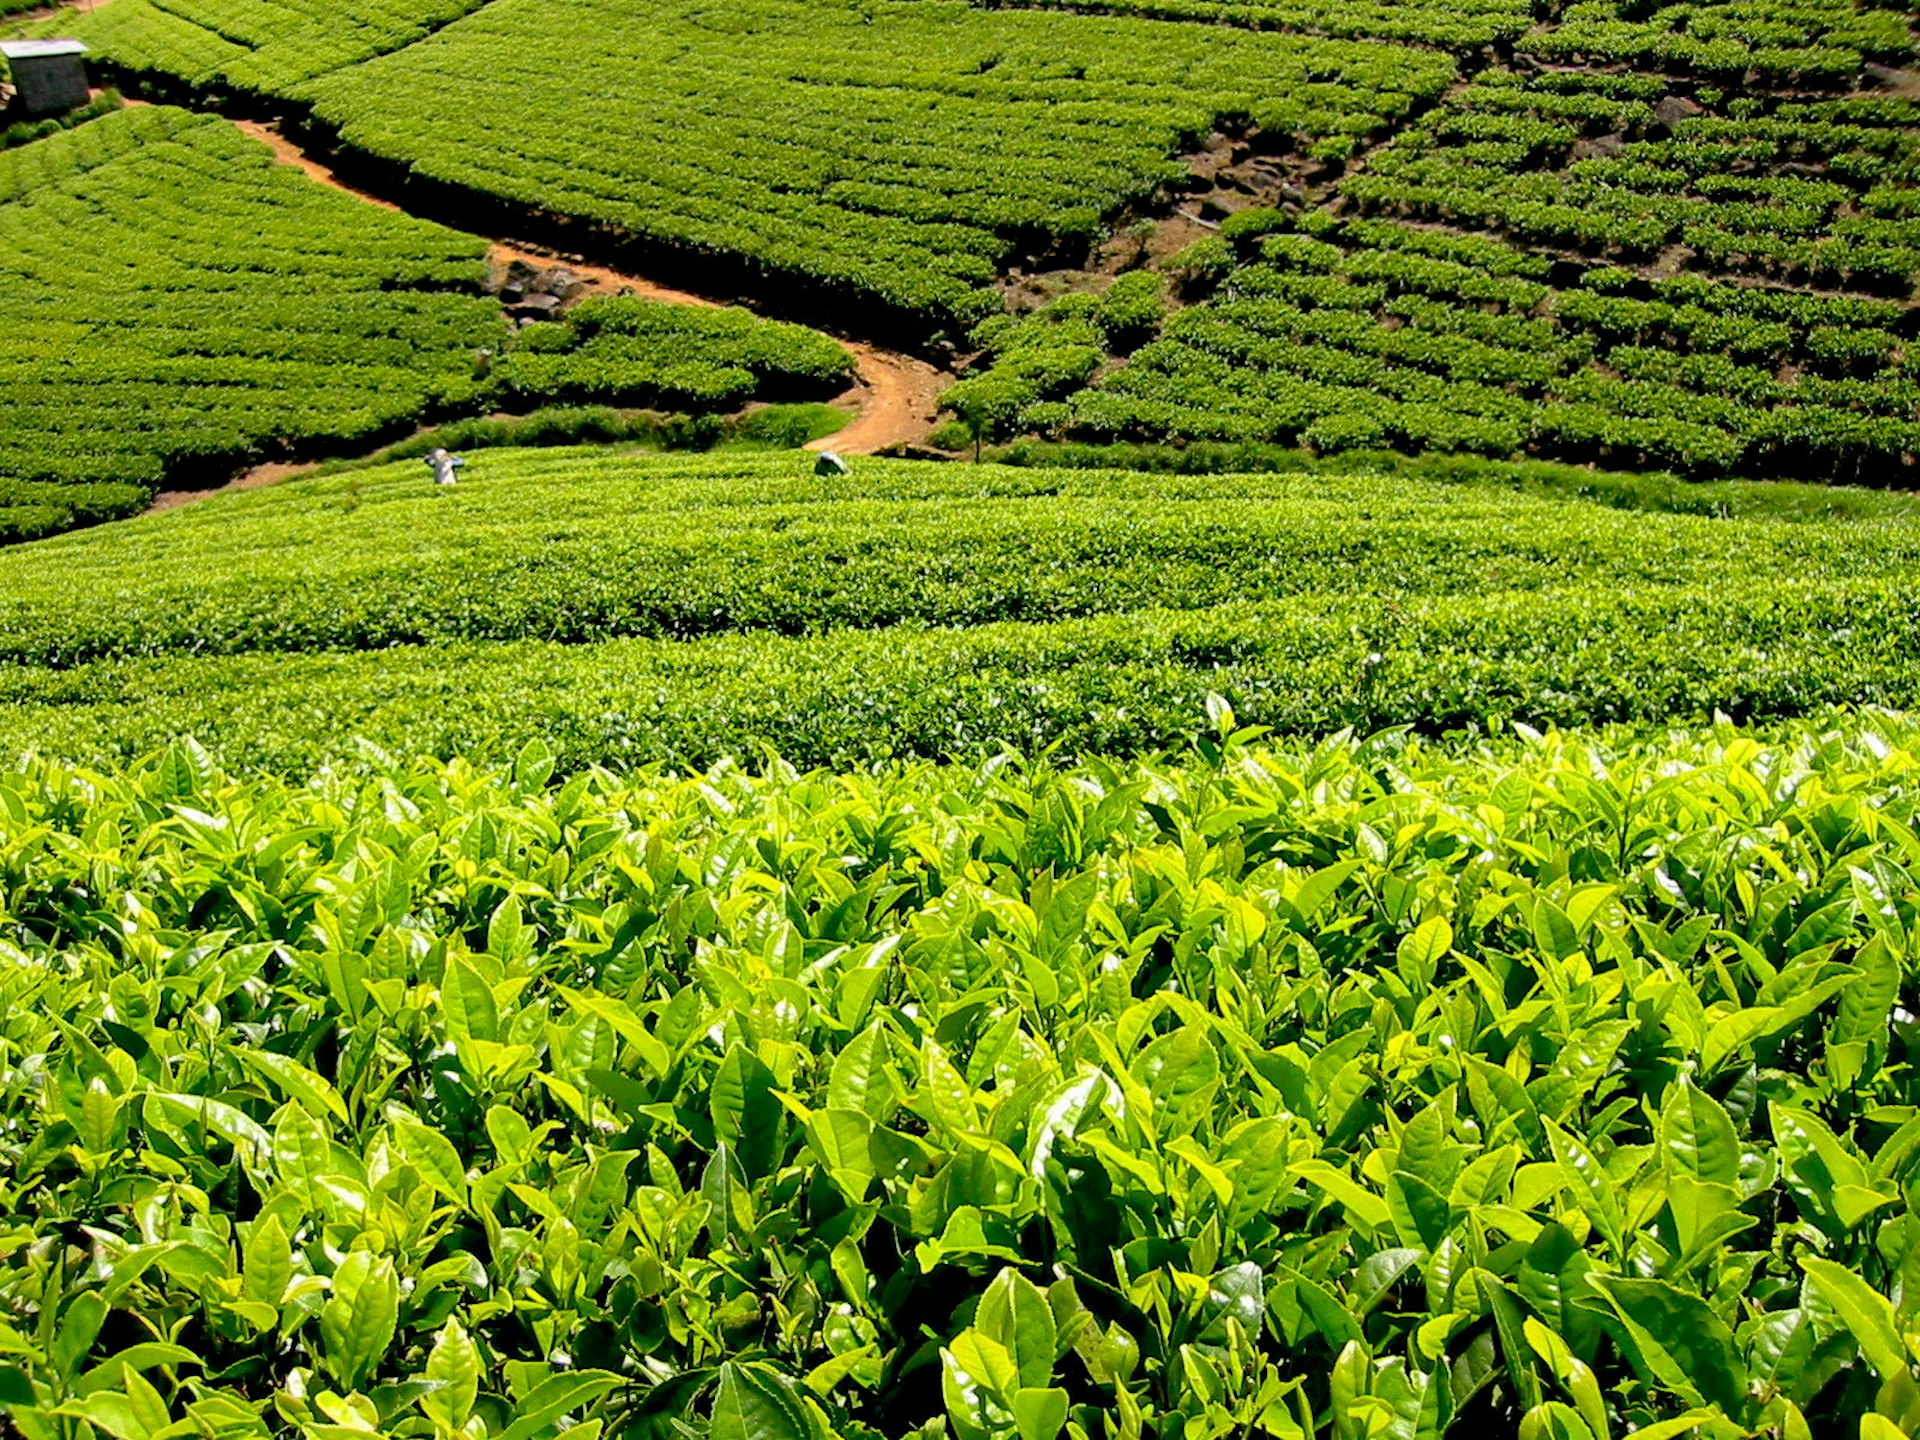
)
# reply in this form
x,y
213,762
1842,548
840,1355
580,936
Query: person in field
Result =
x,y
446,467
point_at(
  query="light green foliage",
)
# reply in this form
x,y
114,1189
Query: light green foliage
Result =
x,y
1454,26
1550,1089
629,607
256,45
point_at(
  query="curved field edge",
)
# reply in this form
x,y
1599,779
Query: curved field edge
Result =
x,y
258,316
583,546
1559,1079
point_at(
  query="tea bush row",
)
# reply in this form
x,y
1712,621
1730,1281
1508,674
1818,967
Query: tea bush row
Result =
x,y
585,546
1116,684
1360,334
243,313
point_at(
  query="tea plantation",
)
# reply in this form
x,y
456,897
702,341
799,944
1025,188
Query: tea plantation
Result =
x,y
879,149
1353,1089
244,313
1348,873
1678,236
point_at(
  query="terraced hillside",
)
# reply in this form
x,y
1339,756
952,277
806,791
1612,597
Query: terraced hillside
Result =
x,y
1679,236
1587,262
175,306
898,150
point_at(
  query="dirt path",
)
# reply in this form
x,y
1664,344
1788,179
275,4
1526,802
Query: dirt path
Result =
x,y
894,402
258,478
47,12
897,402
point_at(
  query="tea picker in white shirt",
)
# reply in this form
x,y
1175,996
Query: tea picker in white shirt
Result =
x,y
446,467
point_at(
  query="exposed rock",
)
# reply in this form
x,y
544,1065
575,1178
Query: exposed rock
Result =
x,y
514,281
1599,147
1673,109
535,307
1890,77
560,282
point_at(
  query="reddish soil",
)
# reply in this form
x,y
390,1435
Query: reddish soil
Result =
x,y
288,153
47,12
597,279
1226,175
895,401
255,479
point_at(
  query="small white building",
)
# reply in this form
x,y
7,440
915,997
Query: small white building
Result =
x,y
49,77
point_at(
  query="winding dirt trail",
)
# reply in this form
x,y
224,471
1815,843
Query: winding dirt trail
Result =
x,y
258,478
895,400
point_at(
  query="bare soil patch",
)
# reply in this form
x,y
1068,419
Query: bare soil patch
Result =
x,y
258,478
1226,175
897,402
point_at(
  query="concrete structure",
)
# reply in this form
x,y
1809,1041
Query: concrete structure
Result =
x,y
49,76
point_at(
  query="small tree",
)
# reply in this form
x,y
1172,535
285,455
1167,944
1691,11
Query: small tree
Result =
x,y
987,406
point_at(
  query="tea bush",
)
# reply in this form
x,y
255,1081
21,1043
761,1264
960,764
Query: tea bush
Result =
x,y
1561,1088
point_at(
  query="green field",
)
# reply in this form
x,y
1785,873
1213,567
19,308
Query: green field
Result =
x,y
625,608
174,307
1342,868
1678,236
1553,261
894,149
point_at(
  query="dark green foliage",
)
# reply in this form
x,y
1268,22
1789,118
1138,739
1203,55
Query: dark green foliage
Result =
x,y
631,351
765,427
1420,339
889,151
1114,684
1623,490
20,132
913,610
